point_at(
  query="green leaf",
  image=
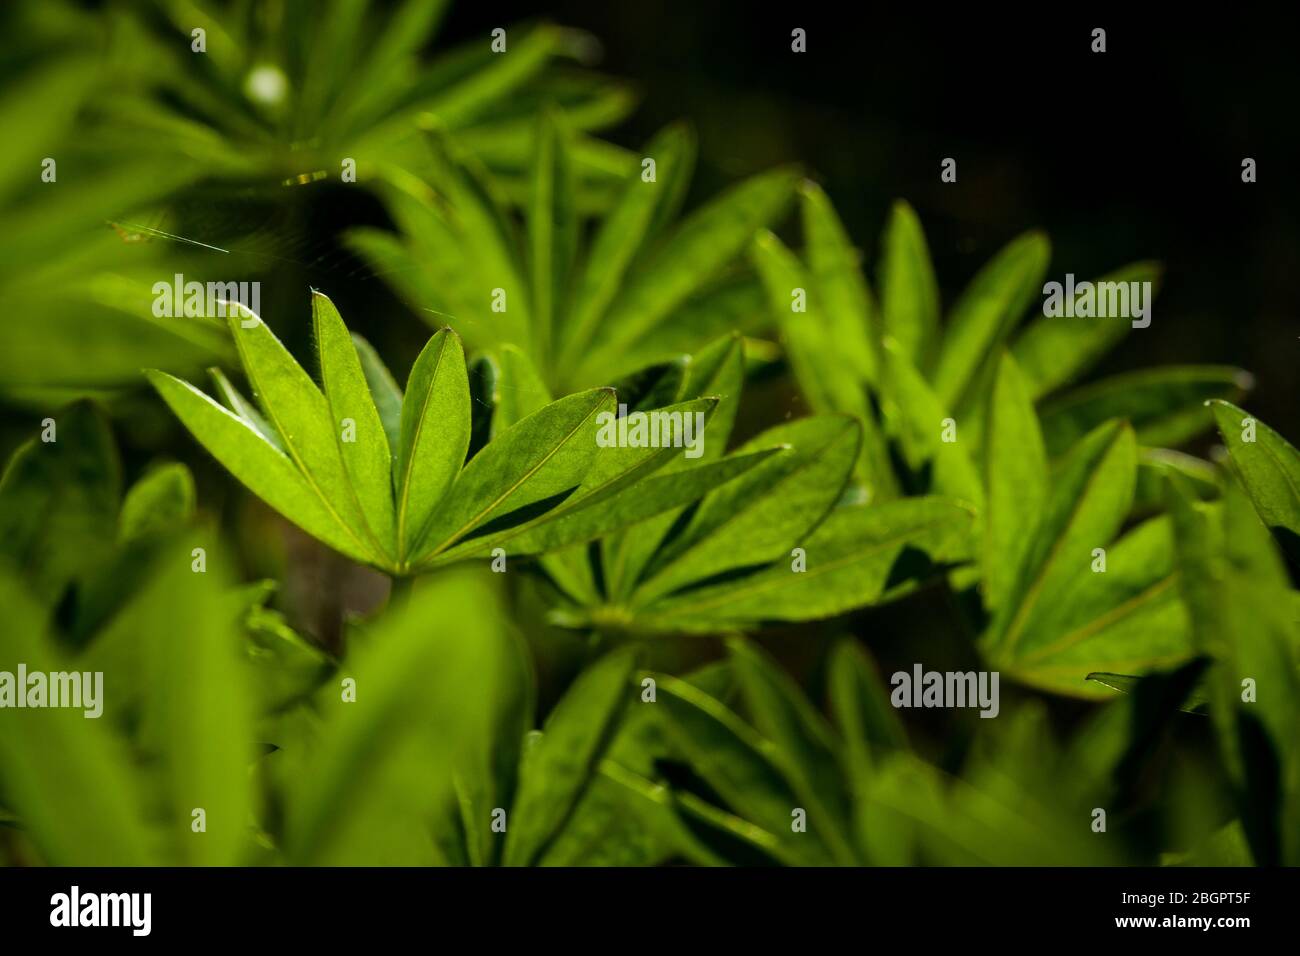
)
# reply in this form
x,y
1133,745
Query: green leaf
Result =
x,y
245,409
1128,619
385,393
867,721
1052,352
1269,468
1164,405
365,794
160,502
58,501
1129,684
650,497
196,718
917,420
844,301
803,742
828,384
363,446
909,293
718,369
986,313
701,245
623,234
519,389
563,762
735,761
69,779
268,473
1091,494
760,516
435,437
617,468
1236,590
298,411
850,558
1015,480
538,459
552,227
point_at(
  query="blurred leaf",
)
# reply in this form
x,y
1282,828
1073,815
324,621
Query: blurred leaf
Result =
x,y
66,777
364,793
1269,468
565,759
162,501
986,313
1165,405
1090,496
736,762
838,283
803,743
1015,480
58,501
1052,352
908,290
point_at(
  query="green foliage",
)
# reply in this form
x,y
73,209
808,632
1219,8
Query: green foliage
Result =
x,y
777,543
323,460
670,663
639,293
1269,468
287,88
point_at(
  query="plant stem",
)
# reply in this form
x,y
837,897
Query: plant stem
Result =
x,y
399,595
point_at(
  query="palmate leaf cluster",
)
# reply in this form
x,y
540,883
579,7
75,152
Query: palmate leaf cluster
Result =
x,y
211,164
731,620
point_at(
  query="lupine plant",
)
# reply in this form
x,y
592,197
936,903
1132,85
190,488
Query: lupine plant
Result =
x,y
385,476
594,650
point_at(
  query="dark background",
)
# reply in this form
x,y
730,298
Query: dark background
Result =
x,y
1130,154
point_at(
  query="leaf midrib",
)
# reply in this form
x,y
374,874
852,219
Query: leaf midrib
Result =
x,y
1031,595
407,466
1095,625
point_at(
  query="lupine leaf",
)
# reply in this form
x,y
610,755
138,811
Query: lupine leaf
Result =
x,y
298,411
986,313
1164,405
568,754
542,457
255,462
845,301
1092,491
1052,352
1269,468
363,447
1015,480
849,558
761,515
703,243
435,436
909,294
